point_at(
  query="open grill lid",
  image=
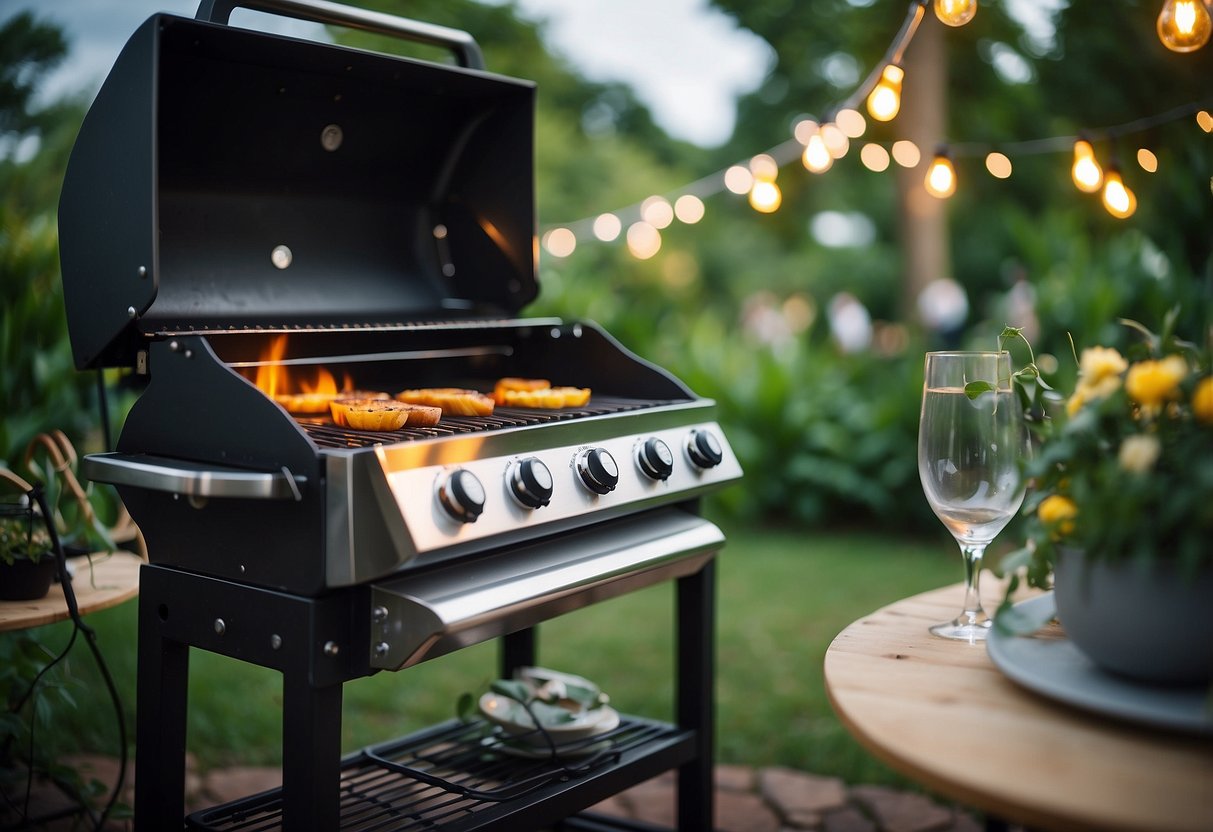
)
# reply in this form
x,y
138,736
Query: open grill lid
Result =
x,y
230,179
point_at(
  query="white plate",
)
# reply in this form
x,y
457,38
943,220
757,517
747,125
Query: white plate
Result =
x,y
508,714
1059,670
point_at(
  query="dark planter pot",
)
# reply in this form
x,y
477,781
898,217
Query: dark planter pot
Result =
x,y
1144,621
26,580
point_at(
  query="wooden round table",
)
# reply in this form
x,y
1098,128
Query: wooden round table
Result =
x,y
940,712
113,578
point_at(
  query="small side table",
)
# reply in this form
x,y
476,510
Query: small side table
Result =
x,y
112,579
943,714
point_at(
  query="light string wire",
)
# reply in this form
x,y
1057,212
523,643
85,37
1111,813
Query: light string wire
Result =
x,y
791,149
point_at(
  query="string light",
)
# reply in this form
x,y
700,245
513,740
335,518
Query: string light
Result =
x,y
657,211
738,179
816,157
765,196
689,209
884,101
998,165
941,176
756,179
874,157
643,240
1117,198
955,12
1147,160
1184,25
1086,172
850,122
607,227
560,242
906,153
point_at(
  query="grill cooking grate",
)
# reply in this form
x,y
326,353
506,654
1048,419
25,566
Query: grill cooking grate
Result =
x,y
441,777
327,435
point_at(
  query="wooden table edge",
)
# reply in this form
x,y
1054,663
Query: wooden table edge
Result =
x,y
987,801
117,572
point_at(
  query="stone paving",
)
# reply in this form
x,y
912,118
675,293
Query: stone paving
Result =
x,y
747,800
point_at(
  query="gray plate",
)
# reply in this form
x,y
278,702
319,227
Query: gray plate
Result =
x,y
1057,669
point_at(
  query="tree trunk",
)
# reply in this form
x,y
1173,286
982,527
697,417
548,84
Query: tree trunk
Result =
x,y
923,118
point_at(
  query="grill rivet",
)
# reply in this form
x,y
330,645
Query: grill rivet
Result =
x,y
275,641
379,614
142,271
130,312
331,648
174,346
220,627
281,257
188,353
331,137
381,649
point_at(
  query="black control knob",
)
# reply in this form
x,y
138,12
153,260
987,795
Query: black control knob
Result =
x,y
530,482
655,459
704,449
461,495
598,470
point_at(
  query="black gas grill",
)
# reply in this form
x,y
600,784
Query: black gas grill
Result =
x,y
238,204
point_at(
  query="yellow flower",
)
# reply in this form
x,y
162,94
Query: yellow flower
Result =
x,y
1150,383
1139,452
1076,402
1058,512
1098,364
1202,400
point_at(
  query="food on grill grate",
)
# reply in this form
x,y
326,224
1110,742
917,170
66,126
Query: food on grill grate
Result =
x,y
512,384
381,414
550,398
453,401
305,404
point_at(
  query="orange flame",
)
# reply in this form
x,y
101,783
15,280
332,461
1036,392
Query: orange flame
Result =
x,y
279,381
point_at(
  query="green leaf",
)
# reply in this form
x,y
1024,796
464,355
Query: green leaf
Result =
x,y
975,388
1012,619
464,706
511,689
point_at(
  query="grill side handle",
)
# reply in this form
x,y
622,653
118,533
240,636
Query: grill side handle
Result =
x,y
467,51
192,480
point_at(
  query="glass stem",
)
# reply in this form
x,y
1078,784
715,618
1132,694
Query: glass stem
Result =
x,y
972,553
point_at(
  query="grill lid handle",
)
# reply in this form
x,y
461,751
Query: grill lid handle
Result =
x,y
467,51
178,476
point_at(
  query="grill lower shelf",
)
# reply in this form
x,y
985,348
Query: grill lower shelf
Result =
x,y
462,776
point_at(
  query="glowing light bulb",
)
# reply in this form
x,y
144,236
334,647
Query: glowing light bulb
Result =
x,y
885,99
560,242
836,141
941,177
657,211
1205,119
874,157
817,156
689,208
738,179
764,166
643,240
1117,198
1184,25
1147,160
1086,172
765,196
607,227
851,123
998,165
955,12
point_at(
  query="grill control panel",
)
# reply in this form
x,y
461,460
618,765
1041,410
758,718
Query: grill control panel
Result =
x,y
464,500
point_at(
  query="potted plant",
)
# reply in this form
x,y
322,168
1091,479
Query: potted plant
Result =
x,y
27,564
1120,518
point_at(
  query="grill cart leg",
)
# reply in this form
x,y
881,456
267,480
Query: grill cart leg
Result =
x,y
311,753
696,645
161,694
517,650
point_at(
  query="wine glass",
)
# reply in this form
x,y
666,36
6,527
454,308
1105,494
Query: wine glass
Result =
x,y
971,440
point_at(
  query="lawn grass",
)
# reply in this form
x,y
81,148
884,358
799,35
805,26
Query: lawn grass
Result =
x,y
783,594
